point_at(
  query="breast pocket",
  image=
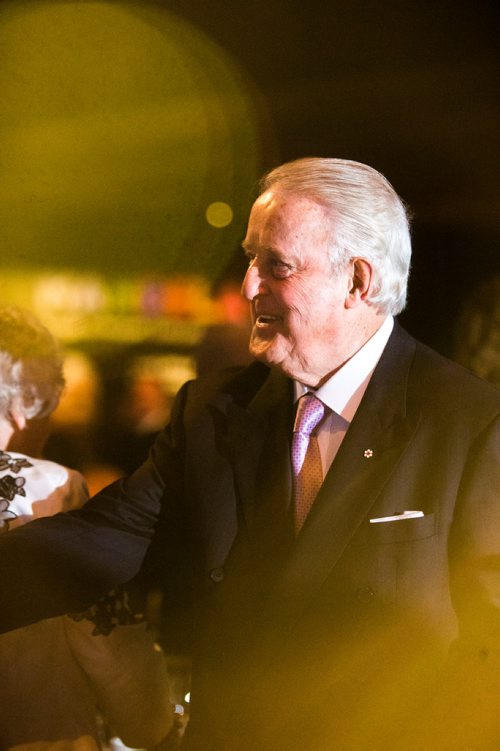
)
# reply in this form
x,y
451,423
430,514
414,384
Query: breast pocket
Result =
x,y
398,560
398,530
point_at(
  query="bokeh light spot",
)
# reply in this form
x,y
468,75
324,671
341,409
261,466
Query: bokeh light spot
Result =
x,y
219,214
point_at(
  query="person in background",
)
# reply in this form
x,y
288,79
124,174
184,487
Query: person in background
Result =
x,y
225,342
73,426
477,331
136,408
324,523
61,675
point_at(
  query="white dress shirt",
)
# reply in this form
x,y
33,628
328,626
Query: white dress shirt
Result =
x,y
343,392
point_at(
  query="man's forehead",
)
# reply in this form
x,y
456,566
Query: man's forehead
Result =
x,y
266,199
282,214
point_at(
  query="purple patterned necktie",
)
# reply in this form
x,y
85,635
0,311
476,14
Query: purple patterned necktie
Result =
x,y
306,459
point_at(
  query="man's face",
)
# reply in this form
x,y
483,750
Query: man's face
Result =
x,y
298,304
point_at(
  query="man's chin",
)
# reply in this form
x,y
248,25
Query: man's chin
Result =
x,y
261,348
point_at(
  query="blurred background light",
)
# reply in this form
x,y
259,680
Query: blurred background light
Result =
x,y
120,122
219,214
123,121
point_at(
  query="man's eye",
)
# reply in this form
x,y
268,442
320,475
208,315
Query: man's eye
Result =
x,y
281,270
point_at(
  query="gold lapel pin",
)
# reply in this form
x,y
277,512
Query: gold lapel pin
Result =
x,y
368,453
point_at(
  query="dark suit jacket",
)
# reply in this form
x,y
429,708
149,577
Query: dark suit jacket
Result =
x,y
354,635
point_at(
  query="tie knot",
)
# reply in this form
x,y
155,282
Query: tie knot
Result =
x,y
310,412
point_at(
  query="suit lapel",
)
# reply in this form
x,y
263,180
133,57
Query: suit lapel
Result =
x,y
258,438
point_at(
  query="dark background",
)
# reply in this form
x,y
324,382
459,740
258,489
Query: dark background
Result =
x,y
410,88
121,124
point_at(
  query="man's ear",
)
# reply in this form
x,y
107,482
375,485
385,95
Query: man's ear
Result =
x,y
360,282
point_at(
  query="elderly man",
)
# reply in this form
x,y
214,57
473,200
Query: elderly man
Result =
x,y
324,523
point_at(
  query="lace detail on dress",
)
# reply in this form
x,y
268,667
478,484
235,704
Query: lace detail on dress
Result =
x,y
110,611
7,461
6,515
10,486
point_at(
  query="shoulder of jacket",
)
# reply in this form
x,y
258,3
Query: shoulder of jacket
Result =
x,y
238,384
453,385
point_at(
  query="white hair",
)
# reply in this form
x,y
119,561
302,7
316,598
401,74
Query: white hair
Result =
x,y
369,220
31,365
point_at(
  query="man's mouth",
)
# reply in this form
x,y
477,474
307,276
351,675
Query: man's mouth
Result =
x,y
266,320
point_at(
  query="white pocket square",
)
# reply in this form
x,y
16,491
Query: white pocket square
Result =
x,y
397,517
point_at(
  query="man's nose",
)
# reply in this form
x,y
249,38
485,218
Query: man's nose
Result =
x,y
252,283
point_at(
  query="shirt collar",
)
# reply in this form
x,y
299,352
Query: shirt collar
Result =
x,y
344,389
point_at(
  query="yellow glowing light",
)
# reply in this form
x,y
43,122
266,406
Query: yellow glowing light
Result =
x,y
219,214
120,123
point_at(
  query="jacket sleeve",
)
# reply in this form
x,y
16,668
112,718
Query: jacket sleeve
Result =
x,y
60,564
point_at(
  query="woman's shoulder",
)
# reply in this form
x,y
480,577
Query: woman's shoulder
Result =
x,y
33,487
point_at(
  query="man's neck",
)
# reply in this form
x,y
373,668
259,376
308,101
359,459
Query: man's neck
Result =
x,y
364,334
343,390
